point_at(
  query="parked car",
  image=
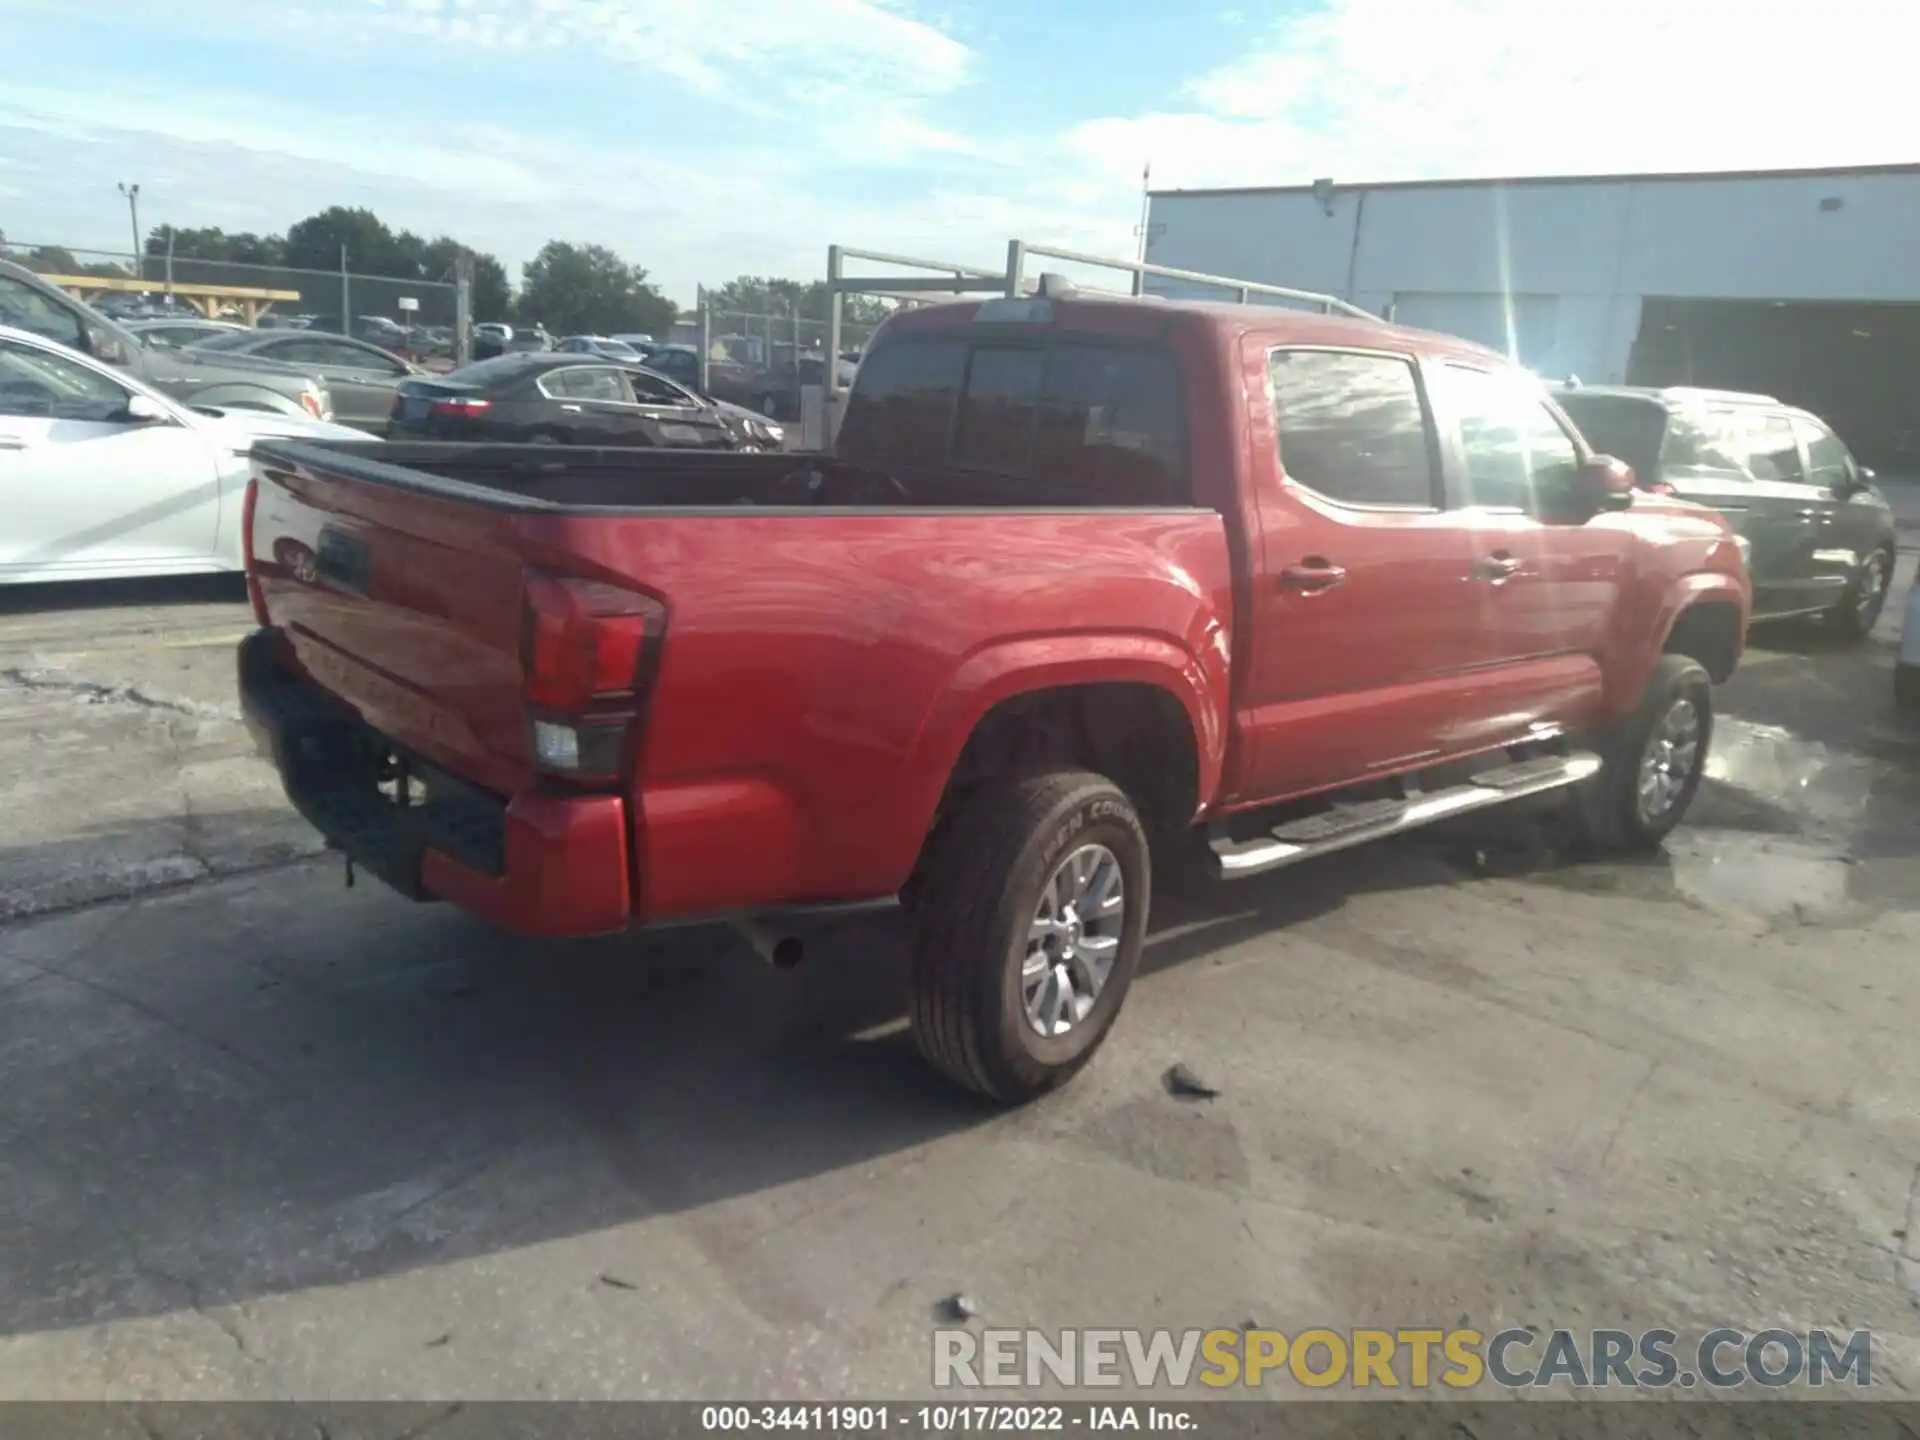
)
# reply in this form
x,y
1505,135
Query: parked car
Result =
x,y
605,346
28,302
105,476
556,399
743,385
529,339
362,378
179,334
778,389
1820,535
1071,597
641,342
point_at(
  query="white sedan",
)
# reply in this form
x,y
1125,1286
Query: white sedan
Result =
x,y
102,476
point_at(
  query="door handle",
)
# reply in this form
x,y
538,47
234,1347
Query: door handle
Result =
x,y
572,409
1311,574
1497,566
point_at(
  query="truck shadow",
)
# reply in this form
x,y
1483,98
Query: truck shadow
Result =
x,y
271,1083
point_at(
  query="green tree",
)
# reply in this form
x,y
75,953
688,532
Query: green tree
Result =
x,y
575,289
371,248
492,295
213,243
58,260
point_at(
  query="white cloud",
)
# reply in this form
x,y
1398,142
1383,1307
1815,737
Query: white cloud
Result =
x,y
1369,90
756,54
855,98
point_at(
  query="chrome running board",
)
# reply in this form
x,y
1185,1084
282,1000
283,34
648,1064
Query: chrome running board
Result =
x,y
1342,826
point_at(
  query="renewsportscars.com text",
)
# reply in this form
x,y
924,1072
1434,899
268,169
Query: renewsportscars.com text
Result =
x,y
1411,1358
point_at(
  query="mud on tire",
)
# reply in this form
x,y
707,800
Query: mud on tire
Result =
x,y
978,893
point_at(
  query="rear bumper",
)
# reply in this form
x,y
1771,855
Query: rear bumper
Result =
x,y
537,864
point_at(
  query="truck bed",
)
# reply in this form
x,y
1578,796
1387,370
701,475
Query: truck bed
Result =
x,y
831,635
548,478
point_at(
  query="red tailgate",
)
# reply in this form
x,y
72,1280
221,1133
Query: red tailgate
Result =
x,y
405,605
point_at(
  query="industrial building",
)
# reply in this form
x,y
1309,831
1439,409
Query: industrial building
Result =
x,y
1804,284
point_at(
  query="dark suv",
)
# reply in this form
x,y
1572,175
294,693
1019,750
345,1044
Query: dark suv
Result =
x,y
1820,537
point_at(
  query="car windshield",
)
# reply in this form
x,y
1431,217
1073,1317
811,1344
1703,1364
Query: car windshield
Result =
x,y
1627,427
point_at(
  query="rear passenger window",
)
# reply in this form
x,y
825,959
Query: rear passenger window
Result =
x,y
1110,425
1352,427
997,413
1072,421
901,409
1775,454
1708,440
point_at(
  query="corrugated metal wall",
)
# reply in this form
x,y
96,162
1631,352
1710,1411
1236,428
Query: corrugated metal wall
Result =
x,y
1578,256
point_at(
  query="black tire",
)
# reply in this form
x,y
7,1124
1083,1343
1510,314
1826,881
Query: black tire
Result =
x,y
976,897
1858,609
1610,810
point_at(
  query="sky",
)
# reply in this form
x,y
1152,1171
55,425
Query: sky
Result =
x,y
711,138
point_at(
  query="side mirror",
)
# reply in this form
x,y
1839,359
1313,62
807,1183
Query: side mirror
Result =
x,y
104,346
143,410
1605,484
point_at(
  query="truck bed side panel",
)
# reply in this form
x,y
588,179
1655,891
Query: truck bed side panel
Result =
x,y
821,671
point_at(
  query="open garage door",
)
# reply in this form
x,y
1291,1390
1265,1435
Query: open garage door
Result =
x,y
1857,366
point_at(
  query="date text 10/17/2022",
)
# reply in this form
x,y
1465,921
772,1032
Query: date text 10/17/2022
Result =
x,y
955,1419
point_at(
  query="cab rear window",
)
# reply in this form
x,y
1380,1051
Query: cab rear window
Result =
x,y
1067,421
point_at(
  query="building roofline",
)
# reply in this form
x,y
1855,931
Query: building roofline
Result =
x,y
1836,172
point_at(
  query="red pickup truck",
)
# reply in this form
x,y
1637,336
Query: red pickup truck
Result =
x,y
1086,583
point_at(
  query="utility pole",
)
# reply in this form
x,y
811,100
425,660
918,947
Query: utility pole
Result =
x,y
132,193
463,308
1146,193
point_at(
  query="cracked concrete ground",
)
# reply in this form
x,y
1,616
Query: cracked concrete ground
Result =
x,y
263,1137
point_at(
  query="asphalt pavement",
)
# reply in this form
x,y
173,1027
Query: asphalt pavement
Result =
x,y
264,1136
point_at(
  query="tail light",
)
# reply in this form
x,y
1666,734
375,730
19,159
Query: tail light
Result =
x,y
588,653
311,402
462,406
255,594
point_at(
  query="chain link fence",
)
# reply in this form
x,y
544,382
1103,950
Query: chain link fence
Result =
x,y
329,300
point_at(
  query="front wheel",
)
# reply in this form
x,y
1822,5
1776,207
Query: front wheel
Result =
x,y
1029,913
1653,761
1858,609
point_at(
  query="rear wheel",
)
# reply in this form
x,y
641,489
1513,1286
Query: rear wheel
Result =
x,y
1029,914
1858,609
1653,761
